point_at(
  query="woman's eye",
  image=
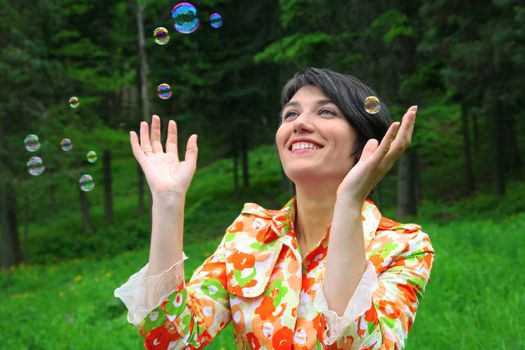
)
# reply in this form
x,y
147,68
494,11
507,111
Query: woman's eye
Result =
x,y
327,112
289,114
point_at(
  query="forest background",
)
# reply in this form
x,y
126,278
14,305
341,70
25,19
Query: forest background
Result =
x,y
64,251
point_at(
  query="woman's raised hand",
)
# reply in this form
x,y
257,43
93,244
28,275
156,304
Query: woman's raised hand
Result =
x,y
378,158
168,177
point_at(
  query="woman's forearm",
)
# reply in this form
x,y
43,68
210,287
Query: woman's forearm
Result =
x,y
167,226
346,259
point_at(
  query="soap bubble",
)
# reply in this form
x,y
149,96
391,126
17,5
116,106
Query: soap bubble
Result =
x,y
216,20
91,156
185,17
161,36
86,183
32,143
73,102
35,166
66,145
372,105
164,91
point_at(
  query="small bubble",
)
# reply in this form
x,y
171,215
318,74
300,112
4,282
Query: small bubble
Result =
x,y
91,156
32,143
164,91
73,102
66,145
86,183
35,166
161,36
185,17
372,105
216,20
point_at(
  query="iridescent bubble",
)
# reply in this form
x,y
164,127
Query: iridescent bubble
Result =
x,y
372,105
35,166
216,20
91,156
32,143
66,145
73,102
164,91
185,17
86,183
161,36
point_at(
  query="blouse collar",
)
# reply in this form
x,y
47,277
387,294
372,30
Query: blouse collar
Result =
x,y
282,220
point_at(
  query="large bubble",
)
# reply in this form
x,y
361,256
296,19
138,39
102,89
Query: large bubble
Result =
x,y
91,156
164,91
372,105
161,36
66,145
35,166
74,102
86,183
185,17
32,143
216,20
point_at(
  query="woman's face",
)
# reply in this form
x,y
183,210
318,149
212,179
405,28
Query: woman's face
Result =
x,y
311,115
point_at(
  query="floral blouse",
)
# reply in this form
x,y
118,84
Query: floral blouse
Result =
x,y
258,279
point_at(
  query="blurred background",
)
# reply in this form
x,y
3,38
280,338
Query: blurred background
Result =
x,y
66,248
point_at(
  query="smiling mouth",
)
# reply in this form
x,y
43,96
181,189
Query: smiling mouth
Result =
x,y
303,147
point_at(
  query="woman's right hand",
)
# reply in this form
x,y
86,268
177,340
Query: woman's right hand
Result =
x,y
168,177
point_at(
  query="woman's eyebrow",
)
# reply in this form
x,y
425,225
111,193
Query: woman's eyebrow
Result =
x,y
318,103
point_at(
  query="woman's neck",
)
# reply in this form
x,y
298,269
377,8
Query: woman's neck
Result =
x,y
315,206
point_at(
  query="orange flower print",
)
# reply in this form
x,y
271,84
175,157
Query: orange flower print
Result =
x,y
252,339
266,309
237,226
159,338
242,261
390,309
283,339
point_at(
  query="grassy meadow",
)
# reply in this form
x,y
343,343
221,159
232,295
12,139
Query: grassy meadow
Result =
x,y
62,298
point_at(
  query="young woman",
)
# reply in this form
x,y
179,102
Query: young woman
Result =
x,y
325,271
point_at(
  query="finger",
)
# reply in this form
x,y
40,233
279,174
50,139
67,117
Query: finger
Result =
x,y
384,146
369,149
135,147
404,136
171,140
144,138
155,134
192,150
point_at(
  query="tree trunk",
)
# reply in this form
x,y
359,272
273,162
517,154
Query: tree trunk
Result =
x,y
84,207
475,132
11,255
245,165
513,156
470,184
498,152
406,199
108,192
144,101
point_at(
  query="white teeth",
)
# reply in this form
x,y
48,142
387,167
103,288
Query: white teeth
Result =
x,y
304,145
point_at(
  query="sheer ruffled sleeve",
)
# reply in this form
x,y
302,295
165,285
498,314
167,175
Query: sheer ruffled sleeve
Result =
x,y
142,294
360,302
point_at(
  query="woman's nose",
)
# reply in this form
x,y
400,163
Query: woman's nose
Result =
x,y
302,122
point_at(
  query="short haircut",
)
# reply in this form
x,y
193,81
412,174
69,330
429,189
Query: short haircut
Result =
x,y
348,93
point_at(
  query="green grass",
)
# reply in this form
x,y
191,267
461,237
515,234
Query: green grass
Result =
x,y
473,300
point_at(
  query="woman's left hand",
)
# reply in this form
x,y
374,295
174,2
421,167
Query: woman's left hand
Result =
x,y
376,160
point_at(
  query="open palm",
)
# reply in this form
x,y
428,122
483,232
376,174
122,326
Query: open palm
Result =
x,y
377,159
167,176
